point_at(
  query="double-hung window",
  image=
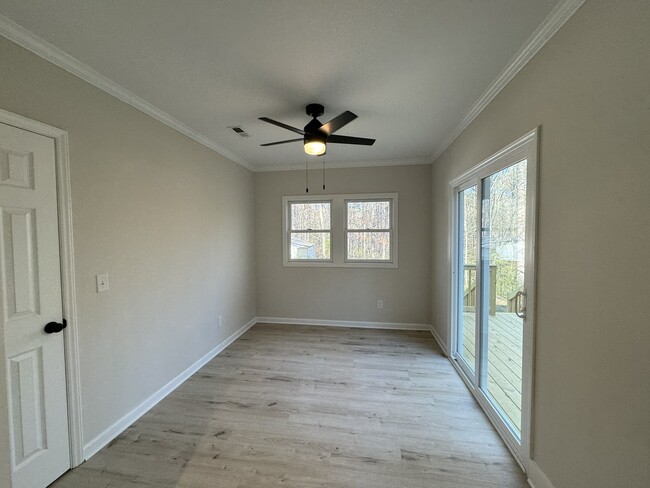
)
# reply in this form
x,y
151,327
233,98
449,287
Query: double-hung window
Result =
x,y
340,230
368,230
310,231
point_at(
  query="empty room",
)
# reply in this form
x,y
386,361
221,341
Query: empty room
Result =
x,y
361,243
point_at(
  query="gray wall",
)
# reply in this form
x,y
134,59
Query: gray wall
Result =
x,y
589,90
169,220
347,293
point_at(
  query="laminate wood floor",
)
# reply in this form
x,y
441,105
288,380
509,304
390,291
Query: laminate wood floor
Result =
x,y
307,407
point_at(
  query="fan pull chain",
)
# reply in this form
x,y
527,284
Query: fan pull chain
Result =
x,y
324,170
306,175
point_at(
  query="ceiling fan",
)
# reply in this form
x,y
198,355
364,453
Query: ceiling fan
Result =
x,y
316,136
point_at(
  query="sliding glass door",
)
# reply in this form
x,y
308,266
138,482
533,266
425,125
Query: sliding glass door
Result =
x,y
493,236
503,245
467,284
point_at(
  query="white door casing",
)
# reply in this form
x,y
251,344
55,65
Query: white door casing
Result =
x,y
31,297
523,149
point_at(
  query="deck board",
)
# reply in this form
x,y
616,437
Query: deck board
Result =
x,y
504,359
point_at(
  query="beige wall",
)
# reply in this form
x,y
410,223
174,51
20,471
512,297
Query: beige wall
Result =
x,y
169,220
347,293
144,195
589,90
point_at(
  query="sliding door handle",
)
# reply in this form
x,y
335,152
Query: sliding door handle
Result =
x,y
520,309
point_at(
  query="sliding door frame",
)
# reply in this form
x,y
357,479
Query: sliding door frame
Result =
x,y
456,286
525,147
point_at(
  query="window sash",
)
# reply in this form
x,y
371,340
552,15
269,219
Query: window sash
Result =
x,y
365,200
303,202
388,230
348,259
308,260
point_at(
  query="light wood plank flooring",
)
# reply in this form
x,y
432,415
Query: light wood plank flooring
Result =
x,y
307,407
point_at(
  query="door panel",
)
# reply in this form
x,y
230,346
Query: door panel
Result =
x,y
28,427
468,284
19,262
31,294
503,244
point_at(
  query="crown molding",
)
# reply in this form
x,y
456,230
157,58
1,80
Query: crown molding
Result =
x,y
341,164
30,41
551,24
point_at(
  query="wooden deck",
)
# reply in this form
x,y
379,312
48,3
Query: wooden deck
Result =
x,y
504,360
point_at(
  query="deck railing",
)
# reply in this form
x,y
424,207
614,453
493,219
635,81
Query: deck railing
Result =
x,y
512,301
469,292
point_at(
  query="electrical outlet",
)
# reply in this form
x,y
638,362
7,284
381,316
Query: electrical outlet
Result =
x,y
102,282
220,321
380,304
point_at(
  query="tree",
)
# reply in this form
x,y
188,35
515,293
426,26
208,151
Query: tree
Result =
x,y
503,229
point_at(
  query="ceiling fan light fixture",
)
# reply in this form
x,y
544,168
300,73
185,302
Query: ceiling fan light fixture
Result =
x,y
315,146
315,135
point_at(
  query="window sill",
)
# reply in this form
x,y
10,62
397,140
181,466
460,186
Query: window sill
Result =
x,y
328,264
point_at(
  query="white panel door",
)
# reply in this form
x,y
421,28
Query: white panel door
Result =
x,y
30,284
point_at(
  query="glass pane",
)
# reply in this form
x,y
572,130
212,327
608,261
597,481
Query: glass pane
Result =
x,y
369,246
310,216
467,287
502,268
369,215
310,245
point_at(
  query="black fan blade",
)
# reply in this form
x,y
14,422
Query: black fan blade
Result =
x,y
337,122
281,142
284,126
361,141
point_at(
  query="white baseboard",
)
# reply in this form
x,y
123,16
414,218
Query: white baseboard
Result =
x,y
439,340
92,447
343,323
536,477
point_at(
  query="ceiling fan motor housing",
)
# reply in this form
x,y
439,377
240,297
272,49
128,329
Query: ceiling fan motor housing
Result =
x,y
312,128
315,110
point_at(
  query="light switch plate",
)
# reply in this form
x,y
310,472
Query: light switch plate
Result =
x,y
102,282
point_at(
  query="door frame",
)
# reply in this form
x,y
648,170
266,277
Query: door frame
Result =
x,y
454,250
68,294
528,145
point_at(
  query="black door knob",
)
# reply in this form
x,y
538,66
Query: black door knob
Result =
x,y
54,327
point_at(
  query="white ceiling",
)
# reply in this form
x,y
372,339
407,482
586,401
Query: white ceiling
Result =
x,y
411,69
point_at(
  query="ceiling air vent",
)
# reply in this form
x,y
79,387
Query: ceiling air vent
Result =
x,y
239,131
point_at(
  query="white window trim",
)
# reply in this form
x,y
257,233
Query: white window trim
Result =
x,y
288,231
338,230
347,230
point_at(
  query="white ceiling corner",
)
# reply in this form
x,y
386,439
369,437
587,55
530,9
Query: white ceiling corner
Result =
x,y
552,23
30,41
410,73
